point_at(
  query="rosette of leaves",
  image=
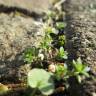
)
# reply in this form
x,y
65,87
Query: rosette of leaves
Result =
x,y
30,54
61,72
80,69
39,79
61,54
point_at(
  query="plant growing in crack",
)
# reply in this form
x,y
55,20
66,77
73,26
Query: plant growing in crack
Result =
x,y
46,44
61,40
61,72
30,54
60,25
80,69
61,54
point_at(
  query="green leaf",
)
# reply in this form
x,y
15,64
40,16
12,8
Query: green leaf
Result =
x,y
78,65
61,40
80,69
79,61
61,71
61,50
79,78
30,54
74,62
41,79
47,88
60,25
85,74
51,14
65,55
62,54
49,30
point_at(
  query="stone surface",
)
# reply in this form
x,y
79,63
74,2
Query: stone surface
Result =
x,y
37,6
16,34
81,40
81,31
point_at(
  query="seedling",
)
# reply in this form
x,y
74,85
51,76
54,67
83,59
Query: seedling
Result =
x,y
51,14
62,54
61,72
30,54
60,25
49,30
80,69
46,44
39,79
61,40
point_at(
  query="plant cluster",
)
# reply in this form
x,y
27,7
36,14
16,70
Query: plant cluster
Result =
x,y
43,79
80,69
58,69
62,54
30,54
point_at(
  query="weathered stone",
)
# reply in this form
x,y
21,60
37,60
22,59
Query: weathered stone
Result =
x,y
80,5
37,6
81,32
16,34
81,40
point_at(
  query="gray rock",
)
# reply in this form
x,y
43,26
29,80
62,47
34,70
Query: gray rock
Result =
x,y
81,32
37,6
16,34
81,40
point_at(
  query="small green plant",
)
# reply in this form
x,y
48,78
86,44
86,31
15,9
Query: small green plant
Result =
x,y
60,25
80,69
46,44
51,14
39,79
49,30
61,40
30,54
62,54
61,72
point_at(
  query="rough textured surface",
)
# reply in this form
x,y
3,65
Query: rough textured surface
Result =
x,y
81,32
80,5
37,6
81,40
16,34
